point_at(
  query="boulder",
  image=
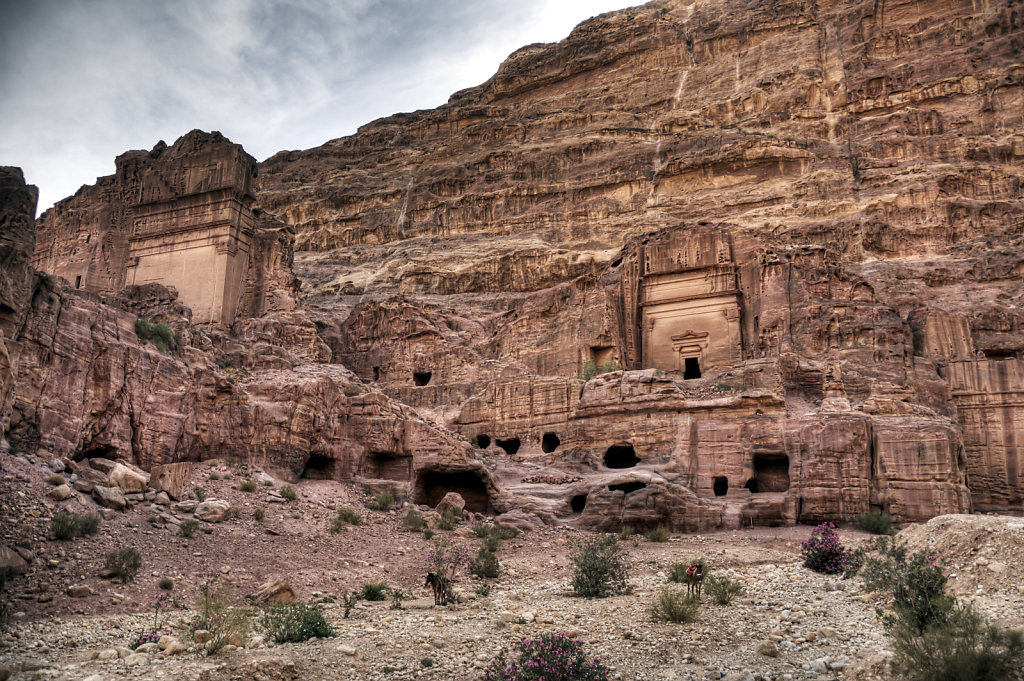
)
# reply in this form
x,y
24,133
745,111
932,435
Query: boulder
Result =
x,y
60,493
451,501
172,478
11,561
275,591
102,465
126,479
109,497
213,510
80,591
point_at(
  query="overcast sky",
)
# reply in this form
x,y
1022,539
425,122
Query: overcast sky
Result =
x,y
82,81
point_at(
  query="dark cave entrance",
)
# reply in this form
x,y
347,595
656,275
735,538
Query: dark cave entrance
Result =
x,y
627,487
511,445
691,368
621,456
578,503
376,373
483,441
549,443
100,452
318,468
771,473
421,378
388,466
433,485
721,486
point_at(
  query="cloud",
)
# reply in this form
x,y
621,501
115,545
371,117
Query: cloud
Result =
x,y
85,80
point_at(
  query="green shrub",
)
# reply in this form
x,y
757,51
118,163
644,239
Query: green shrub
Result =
x,y
56,480
481,530
414,520
875,522
672,605
485,564
216,616
384,501
200,493
591,369
65,525
554,657
450,519
124,563
349,600
287,492
214,476
428,534
722,589
396,596
915,581
823,552
247,486
161,335
166,583
610,366
626,532
427,661
346,516
658,534
961,647
599,567
678,573
258,515
491,543
483,590
374,591
295,622
89,523
504,531
188,527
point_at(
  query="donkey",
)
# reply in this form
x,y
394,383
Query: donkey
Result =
x,y
441,586
694,579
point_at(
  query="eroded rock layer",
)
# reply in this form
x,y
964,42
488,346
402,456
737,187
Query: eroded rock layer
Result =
x,y
700,264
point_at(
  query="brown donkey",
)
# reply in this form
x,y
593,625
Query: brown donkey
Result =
x,y
694,579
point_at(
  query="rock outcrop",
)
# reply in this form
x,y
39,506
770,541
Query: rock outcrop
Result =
x,y
699,264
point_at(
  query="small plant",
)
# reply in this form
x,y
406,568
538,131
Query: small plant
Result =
x,y
56,480
875,522
396,596
152,520
188,527
504,531
678,573
723,387
346,516
443,561
589,369
485,564
157,602
610,366
672,605
247,486
166,584
428,534
384,501
474,440
351,389
483,590
374,591
89,523
160,335
5,610
823,552
426,662
552,657
200,493
268,483
599,568
287,492
214,476
491,543
481,530
722,589
214,615
915,581
296,622
65,525
349,600
658,534
258,515
626,532
414,520
124,563
450,519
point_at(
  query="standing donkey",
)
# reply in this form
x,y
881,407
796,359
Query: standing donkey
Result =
x,y
694,579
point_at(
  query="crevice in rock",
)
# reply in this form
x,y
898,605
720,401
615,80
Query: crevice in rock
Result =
x,y
627,487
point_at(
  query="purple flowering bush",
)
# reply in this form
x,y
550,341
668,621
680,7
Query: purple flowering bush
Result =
x,y
551,657
823,552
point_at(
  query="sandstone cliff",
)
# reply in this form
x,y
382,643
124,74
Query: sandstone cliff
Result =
x,y
796,226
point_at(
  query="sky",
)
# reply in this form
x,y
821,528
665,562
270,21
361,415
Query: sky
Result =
x,y
83,81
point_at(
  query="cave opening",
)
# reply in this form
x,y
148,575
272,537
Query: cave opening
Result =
x,y
388,466
511,445
602,354
771,473
621,456
627,487
376,373
421,378
549,443
691,368
721,486
752,486
578,503
99,452
483,441
433,485
318,468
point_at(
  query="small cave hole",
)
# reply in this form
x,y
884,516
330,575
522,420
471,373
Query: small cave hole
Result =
x,y
421,377
78,281
483,441
549,443
511,445
101,452
752,486
431,486
616,262
691,368
771,473
376,373
578,503
721,486
621,456
318,468
627,487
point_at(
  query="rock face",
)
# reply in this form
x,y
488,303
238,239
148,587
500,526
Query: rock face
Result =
x,y
703,265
